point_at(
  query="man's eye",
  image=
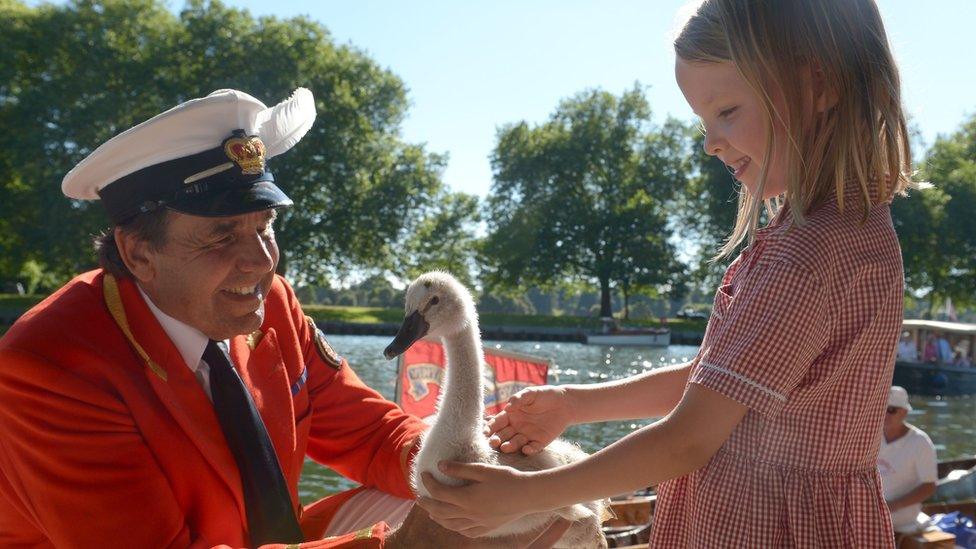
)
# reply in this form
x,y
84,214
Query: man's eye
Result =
x,y
221,242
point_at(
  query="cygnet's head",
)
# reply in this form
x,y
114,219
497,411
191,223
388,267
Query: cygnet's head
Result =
x,y
436,305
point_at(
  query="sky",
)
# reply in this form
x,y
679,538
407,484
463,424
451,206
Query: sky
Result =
x,y
473,66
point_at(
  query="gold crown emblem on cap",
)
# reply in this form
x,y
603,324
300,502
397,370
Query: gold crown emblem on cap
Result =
x,y
247,152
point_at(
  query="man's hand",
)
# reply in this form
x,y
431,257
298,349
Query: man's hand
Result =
x,y
532,419
418,531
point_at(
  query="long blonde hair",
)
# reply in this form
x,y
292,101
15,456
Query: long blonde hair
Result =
x,y
862,139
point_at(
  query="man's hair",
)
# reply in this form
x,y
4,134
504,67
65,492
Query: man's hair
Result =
x,y
149,227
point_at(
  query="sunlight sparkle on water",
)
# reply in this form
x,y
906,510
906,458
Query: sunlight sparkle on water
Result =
x,y
949,422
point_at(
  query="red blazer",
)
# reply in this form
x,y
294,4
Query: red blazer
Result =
x,y
107,438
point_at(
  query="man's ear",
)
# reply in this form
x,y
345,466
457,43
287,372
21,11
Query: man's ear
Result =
x,y
136,255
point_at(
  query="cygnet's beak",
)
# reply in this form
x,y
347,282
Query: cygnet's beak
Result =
x,y
413,328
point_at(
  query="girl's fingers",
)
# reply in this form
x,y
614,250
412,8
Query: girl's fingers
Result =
x,y
456,524
474,532
497,422
505,434
464,471
514,443
441,492
521,398
533,447
552,534
441,510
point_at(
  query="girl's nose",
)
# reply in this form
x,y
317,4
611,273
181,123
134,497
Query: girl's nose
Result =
x,y
713,144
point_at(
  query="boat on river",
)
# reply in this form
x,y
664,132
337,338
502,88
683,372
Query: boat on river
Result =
x,y
613,335
933,377
956,491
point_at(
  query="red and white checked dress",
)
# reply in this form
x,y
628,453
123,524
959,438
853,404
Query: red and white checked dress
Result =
x,y
803,331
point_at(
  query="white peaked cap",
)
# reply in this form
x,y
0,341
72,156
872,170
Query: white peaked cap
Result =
x,y
165,153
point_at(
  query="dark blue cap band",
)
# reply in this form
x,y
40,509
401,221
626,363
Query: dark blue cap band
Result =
x,y
228,192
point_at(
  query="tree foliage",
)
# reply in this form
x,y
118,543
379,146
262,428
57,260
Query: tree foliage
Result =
x,y
936,227
707,212
583,195
443,238
79,73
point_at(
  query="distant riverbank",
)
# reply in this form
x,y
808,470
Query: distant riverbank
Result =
x,y
334,319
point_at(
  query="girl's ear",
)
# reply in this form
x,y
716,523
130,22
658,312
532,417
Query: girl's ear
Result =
x,y
136,255
824,93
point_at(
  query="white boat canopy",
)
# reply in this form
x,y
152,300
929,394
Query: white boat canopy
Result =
x,y
939,326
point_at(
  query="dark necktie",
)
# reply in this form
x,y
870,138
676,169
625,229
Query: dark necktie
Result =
x,y
270,516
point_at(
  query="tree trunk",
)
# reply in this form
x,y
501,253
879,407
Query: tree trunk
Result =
x,y
606,310
626,303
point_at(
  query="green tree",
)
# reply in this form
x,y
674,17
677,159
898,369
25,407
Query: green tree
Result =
x,y
936,227
80,73
707,209
444,238
69,79
583,196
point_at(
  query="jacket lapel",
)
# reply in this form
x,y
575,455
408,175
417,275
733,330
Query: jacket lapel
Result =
x,y
175,384
264,375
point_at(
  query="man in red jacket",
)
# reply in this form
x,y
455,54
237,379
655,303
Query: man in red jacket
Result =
x,y
169,398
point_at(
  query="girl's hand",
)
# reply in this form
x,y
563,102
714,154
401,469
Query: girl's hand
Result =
x,y
495,497
532,419
418,531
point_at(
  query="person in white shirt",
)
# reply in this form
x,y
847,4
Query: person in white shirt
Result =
x,y
907,350
907,464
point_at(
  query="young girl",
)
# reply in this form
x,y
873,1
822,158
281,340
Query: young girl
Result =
x,y
770,434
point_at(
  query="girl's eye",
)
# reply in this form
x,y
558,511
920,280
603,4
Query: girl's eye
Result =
x,y
727,112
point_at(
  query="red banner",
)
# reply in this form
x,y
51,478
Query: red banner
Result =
x,y
421,370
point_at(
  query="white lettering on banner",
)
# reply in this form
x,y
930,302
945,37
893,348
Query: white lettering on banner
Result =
x,y
420,376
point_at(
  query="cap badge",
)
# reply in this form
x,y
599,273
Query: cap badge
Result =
x,y
247,152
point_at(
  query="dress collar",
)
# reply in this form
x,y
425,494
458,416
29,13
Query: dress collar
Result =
x,y
189,341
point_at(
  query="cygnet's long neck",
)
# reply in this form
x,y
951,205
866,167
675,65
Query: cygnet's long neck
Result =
x,y
462,407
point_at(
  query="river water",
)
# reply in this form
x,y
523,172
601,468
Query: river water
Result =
x,y
951,423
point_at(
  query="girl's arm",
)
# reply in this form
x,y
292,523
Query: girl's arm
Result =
x,y
680,443
650,394
536,416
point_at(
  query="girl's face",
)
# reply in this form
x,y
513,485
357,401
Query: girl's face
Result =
x,y
733,120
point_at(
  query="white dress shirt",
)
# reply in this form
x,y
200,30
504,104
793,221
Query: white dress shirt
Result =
x,y
189,341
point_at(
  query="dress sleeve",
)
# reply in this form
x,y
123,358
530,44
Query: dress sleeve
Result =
x,y
770,326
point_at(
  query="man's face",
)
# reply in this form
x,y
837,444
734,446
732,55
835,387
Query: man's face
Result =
x,y
213,273
894,417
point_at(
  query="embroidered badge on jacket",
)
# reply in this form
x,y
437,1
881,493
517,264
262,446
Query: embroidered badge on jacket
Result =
x,y
325,350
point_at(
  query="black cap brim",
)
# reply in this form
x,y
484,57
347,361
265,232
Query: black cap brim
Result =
x,y
254,197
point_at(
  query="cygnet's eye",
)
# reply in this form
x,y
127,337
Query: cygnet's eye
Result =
x,y
433,301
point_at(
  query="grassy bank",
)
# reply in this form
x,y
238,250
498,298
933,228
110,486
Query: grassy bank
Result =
x,y
12,302
368,315
15,304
